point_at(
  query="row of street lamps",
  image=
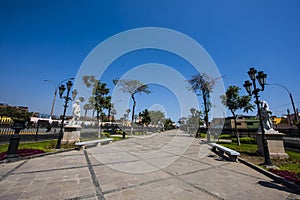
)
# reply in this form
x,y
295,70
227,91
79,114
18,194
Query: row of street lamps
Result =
x,y
260,77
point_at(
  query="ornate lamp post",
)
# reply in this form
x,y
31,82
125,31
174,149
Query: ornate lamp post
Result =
x,y
62,88
55,92
261,78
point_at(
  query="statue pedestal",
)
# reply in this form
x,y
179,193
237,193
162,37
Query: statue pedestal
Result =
x,y
275,144
71,133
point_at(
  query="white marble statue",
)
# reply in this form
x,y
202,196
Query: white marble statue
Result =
x,y
76,112
266,115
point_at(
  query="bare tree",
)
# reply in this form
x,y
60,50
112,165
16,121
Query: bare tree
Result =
x,y
132,87
202,84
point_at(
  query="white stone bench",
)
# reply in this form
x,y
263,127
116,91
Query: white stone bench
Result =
x,y
224,151
92,143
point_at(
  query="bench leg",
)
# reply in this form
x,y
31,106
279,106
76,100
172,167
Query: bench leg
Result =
x,y
233,158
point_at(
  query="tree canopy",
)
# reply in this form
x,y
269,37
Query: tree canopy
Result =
x,y
233,101
14,113
145,117
131,87
99,99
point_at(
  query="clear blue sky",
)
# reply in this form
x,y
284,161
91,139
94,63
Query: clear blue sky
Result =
x,y
50,39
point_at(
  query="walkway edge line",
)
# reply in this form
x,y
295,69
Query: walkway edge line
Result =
x,y
271,175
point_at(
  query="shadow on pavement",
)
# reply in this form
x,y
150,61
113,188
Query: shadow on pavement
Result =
x,y
276,186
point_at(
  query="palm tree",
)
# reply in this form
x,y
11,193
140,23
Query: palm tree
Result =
x,y
86,107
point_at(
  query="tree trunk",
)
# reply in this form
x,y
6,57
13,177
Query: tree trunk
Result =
x,y
198,129
108,115
132,116
93,114
236,131
206,115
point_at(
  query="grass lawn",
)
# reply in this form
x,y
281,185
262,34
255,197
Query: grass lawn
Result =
x,y
248,152
46,146
244,148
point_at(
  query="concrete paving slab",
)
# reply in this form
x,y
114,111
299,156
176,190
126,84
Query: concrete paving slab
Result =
x,y
184,166
230,185
166,189
114,180
153,167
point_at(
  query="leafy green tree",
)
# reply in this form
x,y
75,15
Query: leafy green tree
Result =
x,y
233,101
14,113
144,116
86,108
99,99
157,117
81,99
102,100
182,121
128,111
202,84
91,103
132,87
113,112
195,120
90,82
169,124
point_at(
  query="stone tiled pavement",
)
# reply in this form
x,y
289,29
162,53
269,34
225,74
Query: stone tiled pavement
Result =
x,y
168,165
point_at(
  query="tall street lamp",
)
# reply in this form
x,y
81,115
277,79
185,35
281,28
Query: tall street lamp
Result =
x,y
261,78
291,97
55,92
62,88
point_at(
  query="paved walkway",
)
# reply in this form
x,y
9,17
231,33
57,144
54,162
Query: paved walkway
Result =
x,y
168,165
